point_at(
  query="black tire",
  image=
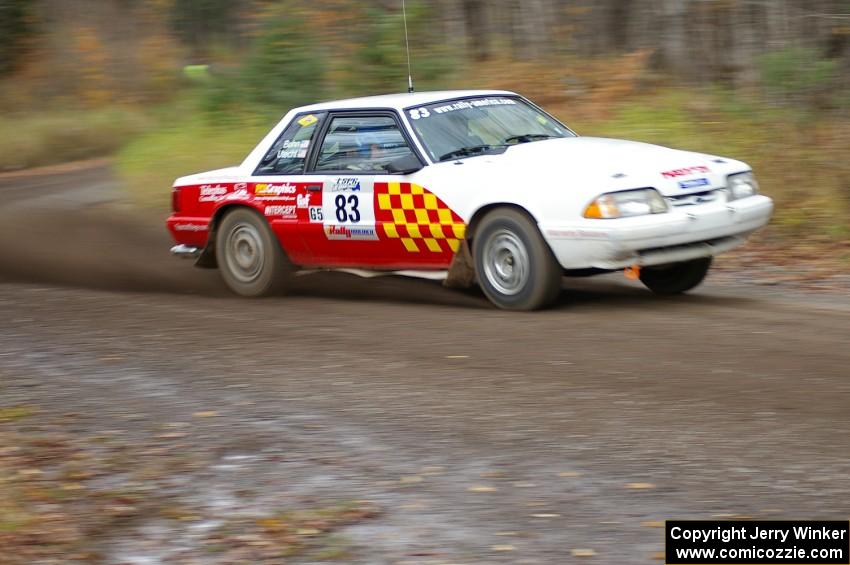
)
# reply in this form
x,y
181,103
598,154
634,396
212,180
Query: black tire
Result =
x,y
514,265
250,258
675,278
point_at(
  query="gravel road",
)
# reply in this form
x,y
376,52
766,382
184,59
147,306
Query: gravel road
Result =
x,y
475,435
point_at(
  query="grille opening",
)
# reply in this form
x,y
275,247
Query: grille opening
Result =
x,y
694,198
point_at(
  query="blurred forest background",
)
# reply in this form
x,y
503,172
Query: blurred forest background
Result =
x,y
171,87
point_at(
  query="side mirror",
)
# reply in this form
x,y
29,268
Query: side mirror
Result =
x,y
405,165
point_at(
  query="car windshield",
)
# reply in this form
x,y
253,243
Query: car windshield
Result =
x,y
474,126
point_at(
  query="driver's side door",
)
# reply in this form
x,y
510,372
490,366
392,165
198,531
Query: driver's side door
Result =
x,y
351,162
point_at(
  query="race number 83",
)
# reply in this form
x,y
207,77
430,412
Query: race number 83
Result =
x,y
347,208
419,113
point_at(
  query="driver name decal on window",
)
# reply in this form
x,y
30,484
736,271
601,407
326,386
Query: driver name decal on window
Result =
x,y
294,149
288,154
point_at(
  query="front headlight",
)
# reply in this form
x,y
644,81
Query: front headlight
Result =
x,y
627,203
741,185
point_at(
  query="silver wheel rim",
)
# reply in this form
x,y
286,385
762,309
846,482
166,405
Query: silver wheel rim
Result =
x,y
506,262
244,253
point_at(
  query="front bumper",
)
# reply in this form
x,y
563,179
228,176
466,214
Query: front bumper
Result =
x,y
687,232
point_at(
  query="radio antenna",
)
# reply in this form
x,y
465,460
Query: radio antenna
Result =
x,y
407,45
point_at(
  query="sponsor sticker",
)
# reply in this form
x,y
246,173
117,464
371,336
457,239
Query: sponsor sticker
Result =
x,y
578,233
315,213
346,232
190,227
263,189
212,192
693,183
685,171
344,184
284,211
419,113
303,200
307,120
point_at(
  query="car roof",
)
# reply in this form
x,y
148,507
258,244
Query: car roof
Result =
x,y
402,100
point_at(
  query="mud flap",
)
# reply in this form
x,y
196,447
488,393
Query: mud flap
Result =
x,y
207,260
462,270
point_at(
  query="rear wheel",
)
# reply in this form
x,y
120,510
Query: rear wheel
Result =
x,y
250,258
675,278
514,265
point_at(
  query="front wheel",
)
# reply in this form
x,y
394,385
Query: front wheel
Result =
x,y
250,259
514,265
675,278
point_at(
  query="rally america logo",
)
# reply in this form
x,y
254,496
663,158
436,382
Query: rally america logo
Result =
x,y
346,185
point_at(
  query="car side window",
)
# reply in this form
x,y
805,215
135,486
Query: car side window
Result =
x,y
288,155
361,143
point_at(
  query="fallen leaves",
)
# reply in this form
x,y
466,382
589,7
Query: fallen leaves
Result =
x,y
503,547
289,533
482,488
61,495
109,359
73,486
172,435
640,486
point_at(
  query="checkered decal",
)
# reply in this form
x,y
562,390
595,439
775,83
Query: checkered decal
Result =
x,y
416,217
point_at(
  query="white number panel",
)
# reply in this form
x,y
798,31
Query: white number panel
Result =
x,y
348,208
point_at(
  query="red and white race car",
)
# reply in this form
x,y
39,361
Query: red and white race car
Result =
x,y
466,185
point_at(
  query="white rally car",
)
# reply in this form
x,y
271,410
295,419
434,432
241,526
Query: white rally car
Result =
x,y
467,185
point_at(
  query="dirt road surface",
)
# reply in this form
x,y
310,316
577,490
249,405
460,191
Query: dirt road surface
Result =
x,y
479,436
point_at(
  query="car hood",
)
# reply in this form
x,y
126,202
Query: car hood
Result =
x,y
612,164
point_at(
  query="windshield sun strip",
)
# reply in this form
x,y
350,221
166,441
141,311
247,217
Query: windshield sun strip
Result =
x,y
426,152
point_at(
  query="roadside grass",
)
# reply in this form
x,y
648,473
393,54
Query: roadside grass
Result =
x,y
60,136
149,165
